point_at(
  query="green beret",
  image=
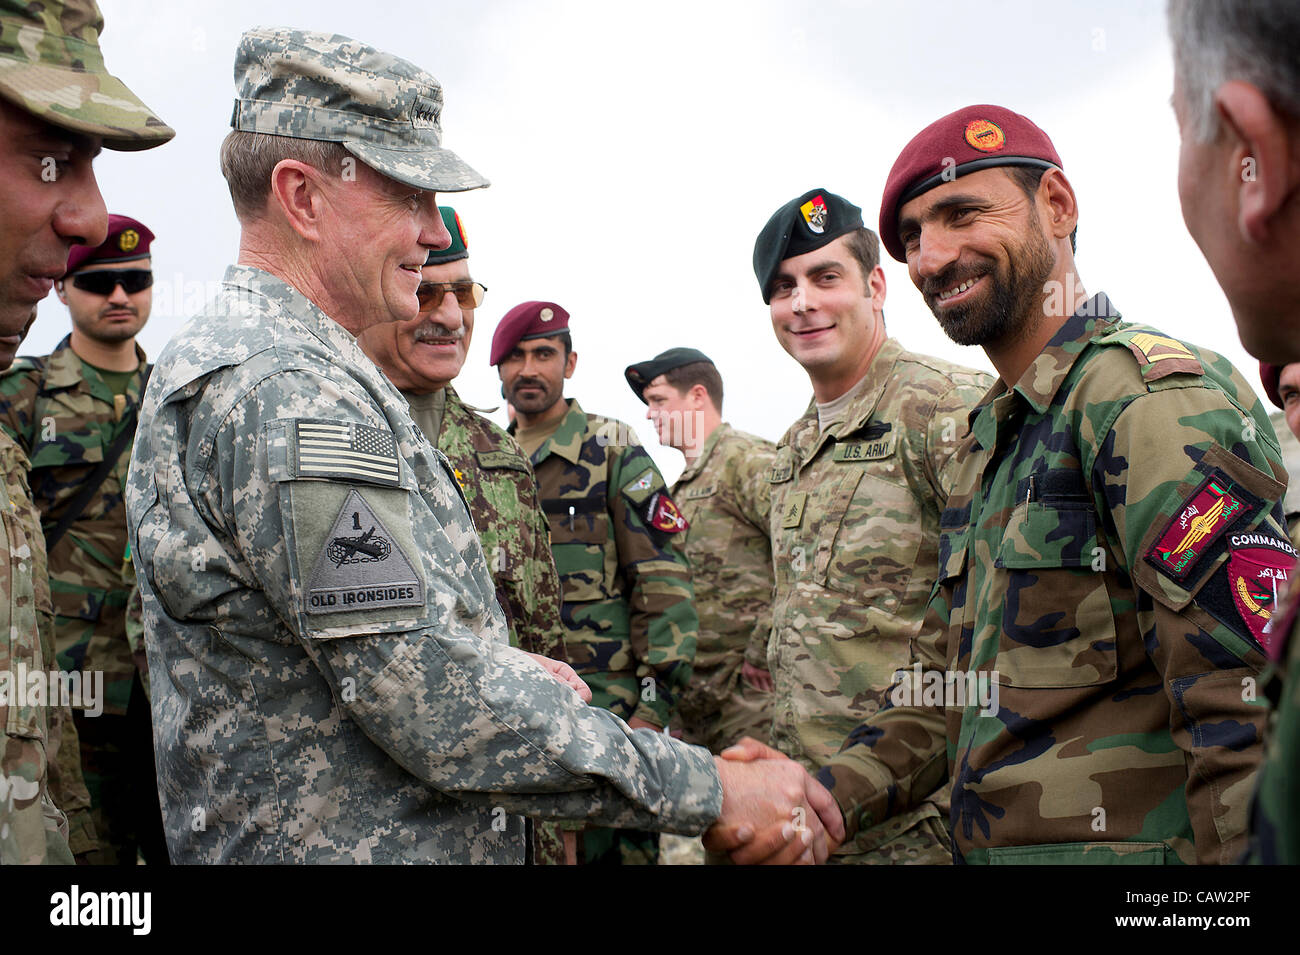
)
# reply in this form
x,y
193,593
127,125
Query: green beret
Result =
x,y
815,219
459,248
644,372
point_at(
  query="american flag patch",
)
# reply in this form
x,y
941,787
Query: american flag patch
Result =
x,y
339,449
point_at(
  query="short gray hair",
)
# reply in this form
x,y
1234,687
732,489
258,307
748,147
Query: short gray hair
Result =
x,y
248,158
1220,40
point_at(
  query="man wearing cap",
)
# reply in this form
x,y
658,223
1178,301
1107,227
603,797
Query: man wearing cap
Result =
x,y
58,106
330,669
421,357
1282,387
73,413
1107,554
857,486
1237,101
724,497
630,624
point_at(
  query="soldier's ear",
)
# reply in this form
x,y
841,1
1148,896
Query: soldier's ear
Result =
x,y
1264,157
570,363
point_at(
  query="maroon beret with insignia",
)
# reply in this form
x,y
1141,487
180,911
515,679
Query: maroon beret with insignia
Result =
x,y
127,239
971,139
529,320
1271,376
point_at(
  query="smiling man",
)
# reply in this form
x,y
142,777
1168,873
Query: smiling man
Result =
x,y
58,106
857,487
74,414
1107,555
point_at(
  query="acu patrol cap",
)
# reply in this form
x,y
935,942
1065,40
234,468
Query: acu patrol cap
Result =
x,y
459,248
51,66
971,139
815,219
644,372
525,321
128,239
331,88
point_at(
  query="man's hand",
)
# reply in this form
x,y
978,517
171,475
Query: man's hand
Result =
x,y
773,812
639,724
755,677
563,673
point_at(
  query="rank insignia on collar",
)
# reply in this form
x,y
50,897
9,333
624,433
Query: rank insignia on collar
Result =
x,y
814,214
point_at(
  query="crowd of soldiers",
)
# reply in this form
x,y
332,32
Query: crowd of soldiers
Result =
x,y
332,613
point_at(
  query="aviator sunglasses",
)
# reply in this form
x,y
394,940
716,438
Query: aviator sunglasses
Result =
x,y
468,294
103,282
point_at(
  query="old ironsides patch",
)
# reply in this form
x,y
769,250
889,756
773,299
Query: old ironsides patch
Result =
x,y
361,566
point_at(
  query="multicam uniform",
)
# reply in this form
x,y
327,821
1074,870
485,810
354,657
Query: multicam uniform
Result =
x,y
726,500
331,674
66,418
1101,560
855,528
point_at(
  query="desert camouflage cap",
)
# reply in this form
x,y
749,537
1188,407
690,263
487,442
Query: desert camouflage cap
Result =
x,y
383,109
51,66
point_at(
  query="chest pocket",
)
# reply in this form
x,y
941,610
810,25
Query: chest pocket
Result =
x,y
1058,629
579,536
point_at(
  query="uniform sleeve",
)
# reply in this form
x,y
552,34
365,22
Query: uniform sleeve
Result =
x,y
432,682
946,428
754,492
539,596
18,386
1176,463
663,624
1274,822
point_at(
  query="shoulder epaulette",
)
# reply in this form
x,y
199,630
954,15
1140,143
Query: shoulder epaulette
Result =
x,y
1159,355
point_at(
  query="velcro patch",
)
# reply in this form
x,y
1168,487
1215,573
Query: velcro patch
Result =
x,y
502,459
642,486
1211,509
695,493
361,566
792,514
1259,572
864,450
347,450
1163,356
663,515
780,473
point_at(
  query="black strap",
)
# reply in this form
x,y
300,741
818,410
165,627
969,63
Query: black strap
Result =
x,y
92,483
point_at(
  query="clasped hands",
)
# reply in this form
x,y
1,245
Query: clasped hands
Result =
x,y
773,812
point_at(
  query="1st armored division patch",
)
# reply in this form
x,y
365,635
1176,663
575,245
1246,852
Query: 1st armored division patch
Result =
x,y
360,566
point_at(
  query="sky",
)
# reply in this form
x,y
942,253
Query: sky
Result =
x,y
635,150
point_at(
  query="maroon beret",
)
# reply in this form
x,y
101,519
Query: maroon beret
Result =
x,y
971,139
1271,376
529,320
127,239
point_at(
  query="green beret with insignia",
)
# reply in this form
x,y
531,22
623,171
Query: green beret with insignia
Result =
x,y
815,219
459,248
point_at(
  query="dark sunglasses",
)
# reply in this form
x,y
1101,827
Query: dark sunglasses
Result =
x,y
104,281
468,294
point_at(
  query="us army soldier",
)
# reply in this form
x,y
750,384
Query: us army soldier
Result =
x,y
421,357
725,497
1113,533
630,624
49,201
857,488
331,673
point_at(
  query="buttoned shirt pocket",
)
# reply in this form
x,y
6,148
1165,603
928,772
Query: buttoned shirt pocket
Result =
x,y
579,538
1058,627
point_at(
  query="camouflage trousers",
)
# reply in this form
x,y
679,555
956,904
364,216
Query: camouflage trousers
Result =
x,y
117,760
718,717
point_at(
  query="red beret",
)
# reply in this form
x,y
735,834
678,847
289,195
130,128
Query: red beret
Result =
x,y
529,320
971,139
127,239
1271,376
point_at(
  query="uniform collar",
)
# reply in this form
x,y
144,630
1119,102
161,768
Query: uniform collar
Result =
x,y
64,369
566,442
807,437
720,432
294,305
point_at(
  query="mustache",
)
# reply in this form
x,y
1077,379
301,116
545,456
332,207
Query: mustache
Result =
x,y
528,383
119,309
432,331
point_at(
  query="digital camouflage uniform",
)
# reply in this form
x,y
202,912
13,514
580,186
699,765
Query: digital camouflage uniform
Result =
x,y
32,828
630,623
726,499
1105,525
494,475
331,673
66,419
855,532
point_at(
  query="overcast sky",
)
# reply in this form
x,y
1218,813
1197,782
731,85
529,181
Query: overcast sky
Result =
x,y
635,150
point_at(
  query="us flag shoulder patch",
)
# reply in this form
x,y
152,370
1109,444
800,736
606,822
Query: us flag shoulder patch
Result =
x,y
346,450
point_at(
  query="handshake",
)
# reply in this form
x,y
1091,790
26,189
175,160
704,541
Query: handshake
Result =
x,y
773,812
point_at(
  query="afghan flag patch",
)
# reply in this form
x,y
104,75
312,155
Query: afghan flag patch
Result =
x,y
1210,510
1259,572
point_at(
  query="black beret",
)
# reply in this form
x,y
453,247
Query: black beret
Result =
x,y
815,219
644,372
